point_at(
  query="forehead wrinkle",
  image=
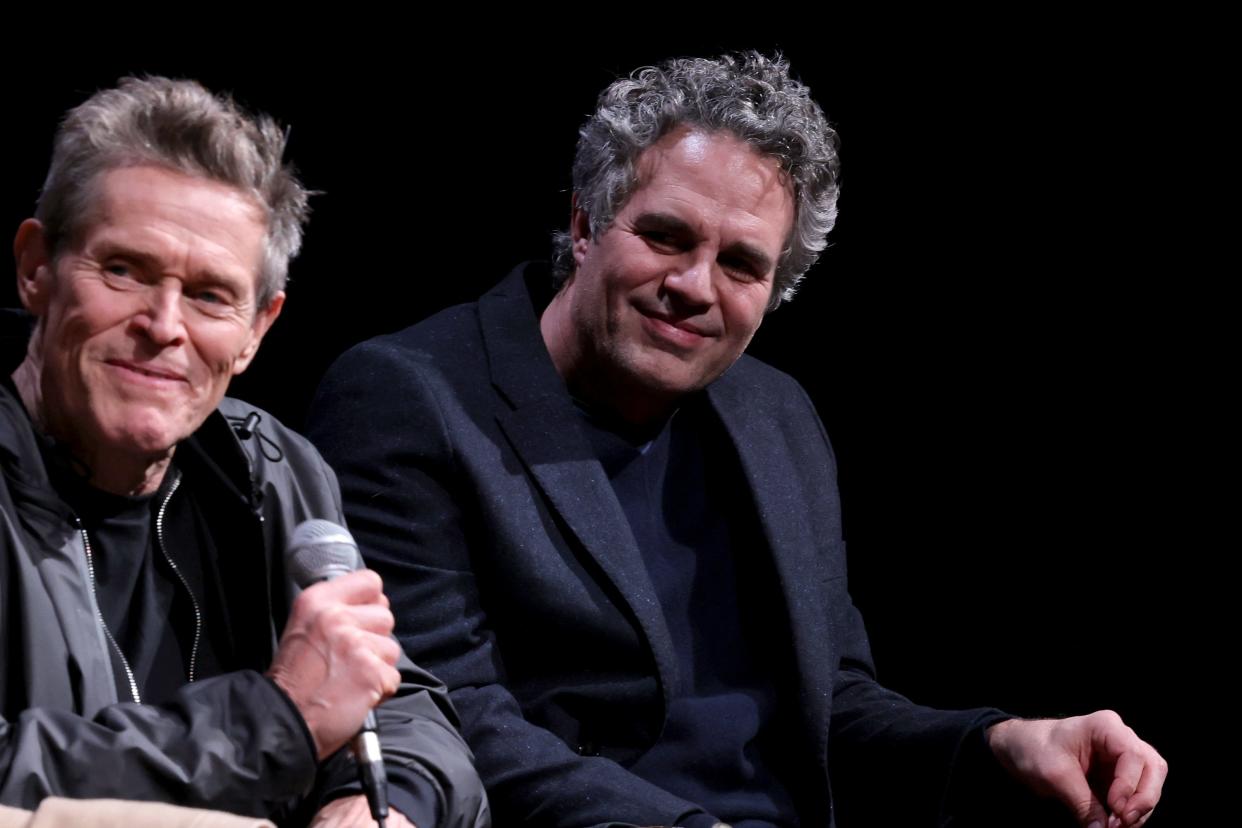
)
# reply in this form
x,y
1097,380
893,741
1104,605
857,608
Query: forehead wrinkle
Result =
x,y
173,226
693,147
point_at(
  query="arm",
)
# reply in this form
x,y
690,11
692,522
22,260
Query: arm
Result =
x,y
174,752
961,752
432,780
420,523
882,742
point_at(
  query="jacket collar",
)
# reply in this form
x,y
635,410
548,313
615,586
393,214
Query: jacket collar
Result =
x,y
545,432
767,454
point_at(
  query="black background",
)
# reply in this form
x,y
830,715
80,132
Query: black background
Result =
x,y
1015,340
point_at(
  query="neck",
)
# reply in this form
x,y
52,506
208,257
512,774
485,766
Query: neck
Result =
x,y
116,472
591,379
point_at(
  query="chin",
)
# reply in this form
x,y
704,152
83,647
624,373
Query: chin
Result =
x,y
148,436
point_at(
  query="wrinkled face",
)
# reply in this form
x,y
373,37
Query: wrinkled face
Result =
x,y
149,313
670,295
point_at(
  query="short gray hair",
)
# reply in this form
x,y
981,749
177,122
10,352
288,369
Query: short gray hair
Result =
x,y
749,96
178,125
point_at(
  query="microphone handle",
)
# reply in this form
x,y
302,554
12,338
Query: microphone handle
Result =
x,y
371,769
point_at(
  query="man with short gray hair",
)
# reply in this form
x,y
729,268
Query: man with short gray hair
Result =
x,y
154,646
618,539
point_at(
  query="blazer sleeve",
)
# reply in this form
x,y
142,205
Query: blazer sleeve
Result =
x,y
378,421
880,740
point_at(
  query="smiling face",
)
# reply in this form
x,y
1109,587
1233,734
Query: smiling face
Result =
x,y
146,316
668,297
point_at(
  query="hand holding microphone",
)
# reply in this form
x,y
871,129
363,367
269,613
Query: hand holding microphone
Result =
x,y
336,657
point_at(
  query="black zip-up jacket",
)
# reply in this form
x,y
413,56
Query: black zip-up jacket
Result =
x,y
232,741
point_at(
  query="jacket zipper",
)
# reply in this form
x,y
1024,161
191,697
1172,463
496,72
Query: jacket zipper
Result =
x,y
159,537
198,615
90,569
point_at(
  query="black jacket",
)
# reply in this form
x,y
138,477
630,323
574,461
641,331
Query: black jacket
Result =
x,y
234,741
515,576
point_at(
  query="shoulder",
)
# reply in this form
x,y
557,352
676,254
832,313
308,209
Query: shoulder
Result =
x,y
283,465
755,385
252,428
385,383
454,341
447,345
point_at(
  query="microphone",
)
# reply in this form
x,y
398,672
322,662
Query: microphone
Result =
x,y
318,551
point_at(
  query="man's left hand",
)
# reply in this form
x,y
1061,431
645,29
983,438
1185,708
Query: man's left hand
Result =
x,y
1067,758
353,812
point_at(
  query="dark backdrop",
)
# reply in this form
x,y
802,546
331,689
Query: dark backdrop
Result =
x,y
1009,339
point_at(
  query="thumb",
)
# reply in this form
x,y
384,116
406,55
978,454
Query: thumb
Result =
x,y
1087,809
1072,789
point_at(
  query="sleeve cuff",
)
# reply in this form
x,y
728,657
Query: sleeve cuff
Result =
x,y
311,750
411,794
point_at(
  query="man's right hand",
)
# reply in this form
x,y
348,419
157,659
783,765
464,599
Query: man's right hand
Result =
x,y
336,658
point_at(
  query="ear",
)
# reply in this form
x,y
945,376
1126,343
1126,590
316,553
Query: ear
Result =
x,y
262,323
34,266
579,232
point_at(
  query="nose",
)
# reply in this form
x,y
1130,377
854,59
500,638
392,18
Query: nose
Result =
x,y
161,318
692,281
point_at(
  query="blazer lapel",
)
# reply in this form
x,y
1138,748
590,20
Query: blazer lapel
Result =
x,y
544,430
766,458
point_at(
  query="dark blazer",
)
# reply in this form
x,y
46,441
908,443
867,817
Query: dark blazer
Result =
x,y
515,577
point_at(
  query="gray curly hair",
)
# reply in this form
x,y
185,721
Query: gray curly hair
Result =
x,y
749,96
178,125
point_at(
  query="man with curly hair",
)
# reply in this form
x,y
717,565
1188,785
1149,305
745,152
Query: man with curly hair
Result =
x,y
618,539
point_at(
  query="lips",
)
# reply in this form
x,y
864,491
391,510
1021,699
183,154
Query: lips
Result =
x,y
153,373
681,333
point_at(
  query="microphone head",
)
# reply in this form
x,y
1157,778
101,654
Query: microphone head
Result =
x,y
319,550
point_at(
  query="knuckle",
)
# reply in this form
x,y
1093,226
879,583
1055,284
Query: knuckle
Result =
x,y
309,600
387,621
390,650
393,681
331,618
370,581
354,640
1108,718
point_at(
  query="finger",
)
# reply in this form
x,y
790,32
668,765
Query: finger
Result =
x,y
392,681
369,617
383,679
1069,784
351,810
1090,813
361,587
1126,774
383,647
1135,810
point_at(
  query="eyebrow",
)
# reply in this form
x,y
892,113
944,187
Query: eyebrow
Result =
x,y
110,249
669,223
